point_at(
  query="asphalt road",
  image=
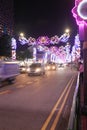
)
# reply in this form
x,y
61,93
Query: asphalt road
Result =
x,y
38,102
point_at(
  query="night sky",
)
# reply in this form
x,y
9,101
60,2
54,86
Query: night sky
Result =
x,y
45,17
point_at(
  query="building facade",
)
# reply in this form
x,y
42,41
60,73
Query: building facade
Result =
x,y
6,17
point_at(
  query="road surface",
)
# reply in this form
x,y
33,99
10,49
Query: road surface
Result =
x,y
38,102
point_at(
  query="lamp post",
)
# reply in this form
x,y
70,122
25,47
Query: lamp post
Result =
x,y
21,34
67,31
23,40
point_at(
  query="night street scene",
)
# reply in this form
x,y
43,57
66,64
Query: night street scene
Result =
x,y
43,65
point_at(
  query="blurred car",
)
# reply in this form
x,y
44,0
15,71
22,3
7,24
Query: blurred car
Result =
x,y
51,66
22,69
61,66
36,69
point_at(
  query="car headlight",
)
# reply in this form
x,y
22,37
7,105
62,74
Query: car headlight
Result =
x,y
28,69
38,70
23,69
48,67
53,67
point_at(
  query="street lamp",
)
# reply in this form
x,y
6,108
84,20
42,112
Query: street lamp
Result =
x,y
67,31
21,34
65,36
22,39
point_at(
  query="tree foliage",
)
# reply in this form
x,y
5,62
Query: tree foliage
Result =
x,y
5,45
23,54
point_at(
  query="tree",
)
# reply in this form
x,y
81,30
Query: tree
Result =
x,y
5,45
23,54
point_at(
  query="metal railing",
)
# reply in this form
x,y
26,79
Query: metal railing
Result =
x,y
73,120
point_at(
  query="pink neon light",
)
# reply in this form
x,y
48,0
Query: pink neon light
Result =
x,y
75,14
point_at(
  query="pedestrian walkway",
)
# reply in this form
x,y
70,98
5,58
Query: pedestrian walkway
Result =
x,y
83,114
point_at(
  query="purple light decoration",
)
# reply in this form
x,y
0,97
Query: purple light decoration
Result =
x,y
79,20
64,38
40,48
53,49
23,40
43,40
31,41
82,9
54,40
13,43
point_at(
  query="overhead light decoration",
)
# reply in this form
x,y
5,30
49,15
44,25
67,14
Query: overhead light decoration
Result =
x,y
53,49
14,46
82,9
64,38
54,40
31,41
13,43
76,49
22,39
40,48
43,40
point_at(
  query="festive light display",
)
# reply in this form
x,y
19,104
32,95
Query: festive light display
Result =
x,y
53,49
23,40
67,50
64,37
82,9
76,49
61,54
13,43
31,41
53,53
54,40
43,40
14,54
14,46
40,48
77,41
80,19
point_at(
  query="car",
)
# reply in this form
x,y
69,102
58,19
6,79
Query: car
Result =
x,y
61,65
36,69
23,69
51,66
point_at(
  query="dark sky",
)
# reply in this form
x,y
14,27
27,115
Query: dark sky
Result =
x,y
45,17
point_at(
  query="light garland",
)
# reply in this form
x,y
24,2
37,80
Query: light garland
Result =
x,y
31,41
43,40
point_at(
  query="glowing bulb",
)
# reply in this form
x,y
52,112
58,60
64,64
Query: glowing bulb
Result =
x,y
22,34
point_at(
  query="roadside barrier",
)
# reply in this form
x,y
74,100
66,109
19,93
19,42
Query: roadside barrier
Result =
x,y
73,119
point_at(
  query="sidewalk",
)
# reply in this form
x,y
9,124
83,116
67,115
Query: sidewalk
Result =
x,y
83,114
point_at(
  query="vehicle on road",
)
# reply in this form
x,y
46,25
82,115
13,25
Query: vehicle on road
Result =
x,y
8,71
51,66
61,66
23,69
36,69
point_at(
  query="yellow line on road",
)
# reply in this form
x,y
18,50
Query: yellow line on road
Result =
x,y
54,108
20,86
5,92
61,108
